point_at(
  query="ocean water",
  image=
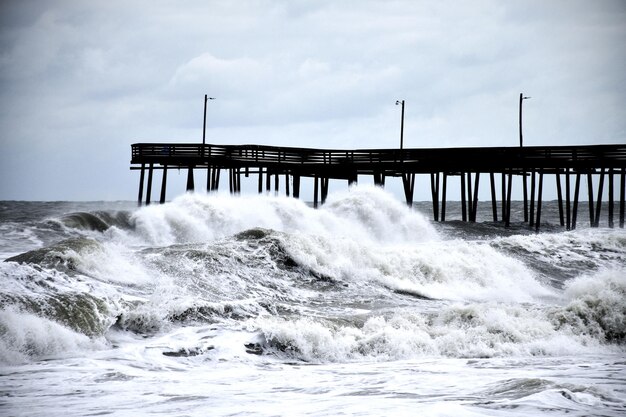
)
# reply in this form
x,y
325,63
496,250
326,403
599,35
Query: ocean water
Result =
x,y
262,306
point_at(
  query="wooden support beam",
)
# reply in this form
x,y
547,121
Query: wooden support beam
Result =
x,y
443,196
315,190
276,183
437,189
622,196
190,184
494,202
141,180
611,198
463,199
470,201
592,217
559,195
149,192
378,179
287,185
296,186
324,189
568,212
163,184
539,198
260,180
599,199
508,201
408,180
216,177
531,217
238,182
475,203
504,197
434,191
575,207
525,188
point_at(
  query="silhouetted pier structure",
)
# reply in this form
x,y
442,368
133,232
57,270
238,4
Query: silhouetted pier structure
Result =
x,y
567,164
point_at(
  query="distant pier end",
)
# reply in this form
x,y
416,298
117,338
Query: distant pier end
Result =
x,y
607,163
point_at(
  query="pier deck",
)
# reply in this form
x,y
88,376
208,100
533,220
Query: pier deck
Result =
x,y
440,163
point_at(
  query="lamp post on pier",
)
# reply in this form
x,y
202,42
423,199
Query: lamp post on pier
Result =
x,y
206,98
401,123
521,98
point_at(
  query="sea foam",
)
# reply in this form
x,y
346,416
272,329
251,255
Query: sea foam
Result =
x,y
27,337
362,213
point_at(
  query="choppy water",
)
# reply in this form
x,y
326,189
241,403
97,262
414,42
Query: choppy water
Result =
x,y
259,305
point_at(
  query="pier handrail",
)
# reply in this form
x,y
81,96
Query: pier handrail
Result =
x,y
483,159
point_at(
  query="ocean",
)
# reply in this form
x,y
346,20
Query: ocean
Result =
x,y
257,305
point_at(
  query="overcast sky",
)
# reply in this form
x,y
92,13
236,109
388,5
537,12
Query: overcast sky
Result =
x,y
82,80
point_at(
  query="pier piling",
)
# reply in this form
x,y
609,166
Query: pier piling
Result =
x,y
494,204
575,206
539,198
141,180
599,199
149,191
163,184
622,195
190,184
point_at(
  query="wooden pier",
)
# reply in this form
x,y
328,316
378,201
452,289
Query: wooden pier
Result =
x,y
567,164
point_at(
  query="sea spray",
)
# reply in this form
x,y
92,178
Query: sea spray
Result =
x,y
363,213
453,270
596,305
25,337
565,255
466,330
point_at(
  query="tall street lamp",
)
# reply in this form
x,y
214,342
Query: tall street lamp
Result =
x,y
401,123
521,98
206,98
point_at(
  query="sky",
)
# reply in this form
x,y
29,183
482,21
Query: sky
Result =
x,y
80,81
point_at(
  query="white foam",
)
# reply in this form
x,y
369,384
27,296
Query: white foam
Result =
x,y
27,337
361,213
582,247
113,262
454,270
596,304
363,235
16,238
460,331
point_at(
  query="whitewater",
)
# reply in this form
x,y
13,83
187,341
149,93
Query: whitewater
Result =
x,y
263,306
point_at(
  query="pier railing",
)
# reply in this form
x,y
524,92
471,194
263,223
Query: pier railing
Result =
x,y
492,159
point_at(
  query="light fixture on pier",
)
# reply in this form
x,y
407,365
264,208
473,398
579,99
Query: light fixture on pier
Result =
x,y
521,98
401,123
206,98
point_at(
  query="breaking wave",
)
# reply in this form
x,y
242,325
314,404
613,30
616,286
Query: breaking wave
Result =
x,y
364,277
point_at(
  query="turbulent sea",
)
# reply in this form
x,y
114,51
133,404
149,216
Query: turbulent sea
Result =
x,y
212,305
